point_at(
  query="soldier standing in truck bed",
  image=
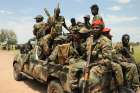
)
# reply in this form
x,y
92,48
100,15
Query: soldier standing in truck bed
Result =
x,y
42,32
40,28
57,22
87,22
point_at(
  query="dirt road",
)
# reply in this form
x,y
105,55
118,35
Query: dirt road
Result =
x,y
7,82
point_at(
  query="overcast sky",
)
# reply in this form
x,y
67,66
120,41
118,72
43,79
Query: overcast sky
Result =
x,y
122,16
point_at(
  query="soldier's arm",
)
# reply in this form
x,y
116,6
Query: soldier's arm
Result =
x,y
64,24
70,29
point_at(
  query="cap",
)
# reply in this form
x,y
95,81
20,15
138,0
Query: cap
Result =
x,y
38,16
87,16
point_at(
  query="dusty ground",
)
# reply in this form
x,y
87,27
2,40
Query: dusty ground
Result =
x,y
7,82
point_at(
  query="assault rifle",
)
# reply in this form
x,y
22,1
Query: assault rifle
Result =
x,y
86,68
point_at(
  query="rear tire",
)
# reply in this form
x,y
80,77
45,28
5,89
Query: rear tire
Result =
x,y
16,72
55,87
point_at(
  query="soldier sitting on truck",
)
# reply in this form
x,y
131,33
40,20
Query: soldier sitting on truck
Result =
x,y
66,55
130,70
117,69
129,67
127,49
99,51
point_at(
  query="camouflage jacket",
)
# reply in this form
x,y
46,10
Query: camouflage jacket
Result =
x,y
38,29
101,49
56,24
74,28
124,53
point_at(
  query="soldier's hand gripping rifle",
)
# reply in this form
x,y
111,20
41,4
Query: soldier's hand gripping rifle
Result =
x,y
86,68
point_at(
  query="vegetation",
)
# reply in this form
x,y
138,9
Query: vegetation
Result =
x,y
137,53
8,38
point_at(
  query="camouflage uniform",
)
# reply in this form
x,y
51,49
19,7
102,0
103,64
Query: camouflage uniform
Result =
x,y
74,29
117,69
71,60
56,25
87,23
131,73
38,29
101,53
45,45
42,33
129,54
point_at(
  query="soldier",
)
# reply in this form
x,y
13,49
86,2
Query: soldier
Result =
x,y
102,55
87,22
58,43
74,27
42,33
65,54
94,10
74,34
127,50
117,69
131,73
83,35
40,28
57,22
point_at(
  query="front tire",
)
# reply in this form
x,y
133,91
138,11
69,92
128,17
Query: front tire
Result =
x,y
16,72
54,87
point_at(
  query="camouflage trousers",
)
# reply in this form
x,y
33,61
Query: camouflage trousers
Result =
x,y
130,73
99,79
43,46
117,69
75,72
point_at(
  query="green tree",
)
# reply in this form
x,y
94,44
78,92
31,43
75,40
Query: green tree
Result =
x,y
3,35
11,38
